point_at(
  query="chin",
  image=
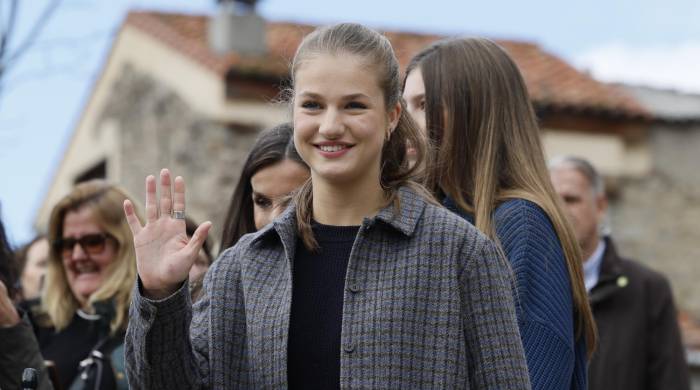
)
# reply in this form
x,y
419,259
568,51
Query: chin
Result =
x,y
85,290
334,174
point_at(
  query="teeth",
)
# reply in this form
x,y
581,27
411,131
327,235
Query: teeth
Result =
x,y
332,148
85,268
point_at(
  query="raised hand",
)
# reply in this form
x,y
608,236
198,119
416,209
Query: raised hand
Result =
x,y
8,314
164,253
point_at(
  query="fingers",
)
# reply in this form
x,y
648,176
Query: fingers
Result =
x,y
3,291
179,194
8,314
151,206
131,218
197,240
166,200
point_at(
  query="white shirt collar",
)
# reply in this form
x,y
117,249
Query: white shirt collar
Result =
x,y
591,267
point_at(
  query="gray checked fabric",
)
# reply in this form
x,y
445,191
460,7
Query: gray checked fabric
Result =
x,y
428,304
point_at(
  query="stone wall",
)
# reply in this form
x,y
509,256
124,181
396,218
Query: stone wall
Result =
x,y
656,219
159,130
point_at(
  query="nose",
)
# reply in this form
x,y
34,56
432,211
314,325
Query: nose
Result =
x,y
331,124
78,252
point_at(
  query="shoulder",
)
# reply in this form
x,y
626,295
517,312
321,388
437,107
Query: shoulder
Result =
x,y
646,276
437,219
469,247
522,222
520,212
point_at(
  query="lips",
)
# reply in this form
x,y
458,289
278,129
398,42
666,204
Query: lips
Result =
x,y
85,267
333,149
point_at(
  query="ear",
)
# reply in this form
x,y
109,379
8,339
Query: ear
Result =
x,y
602,206
393,117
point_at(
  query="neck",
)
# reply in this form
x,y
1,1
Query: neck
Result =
x,y
588,249
346,205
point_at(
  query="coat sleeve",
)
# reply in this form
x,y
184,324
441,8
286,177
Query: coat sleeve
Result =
x,y
544,297
494,351
159,353
667,368
19,350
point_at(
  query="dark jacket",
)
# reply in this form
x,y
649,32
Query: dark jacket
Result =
x,y
639,343
19,350
427,304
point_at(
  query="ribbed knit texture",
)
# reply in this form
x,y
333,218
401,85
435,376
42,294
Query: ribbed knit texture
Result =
x,y
545,310
318,280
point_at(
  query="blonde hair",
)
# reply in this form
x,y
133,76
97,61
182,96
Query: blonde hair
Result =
x,y
376,51
478,110
105,201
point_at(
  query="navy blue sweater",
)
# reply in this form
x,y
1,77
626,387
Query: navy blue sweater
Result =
x,y
545,304
318,283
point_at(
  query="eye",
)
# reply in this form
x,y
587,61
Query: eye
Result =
x,y
421,104
356,106
262,201
568,199
310,105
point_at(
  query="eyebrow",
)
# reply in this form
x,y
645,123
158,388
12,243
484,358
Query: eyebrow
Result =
x,y
418,96
346,97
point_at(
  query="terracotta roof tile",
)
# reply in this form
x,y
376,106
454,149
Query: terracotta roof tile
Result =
x,y
553,84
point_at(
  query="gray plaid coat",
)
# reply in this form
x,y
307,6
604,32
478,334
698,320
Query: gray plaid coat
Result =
x,y
428,304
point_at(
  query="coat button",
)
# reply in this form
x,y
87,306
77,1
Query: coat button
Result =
x,y
353,288
349,347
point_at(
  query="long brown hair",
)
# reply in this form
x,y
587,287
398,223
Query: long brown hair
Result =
x,y
479,113
105,201
349,39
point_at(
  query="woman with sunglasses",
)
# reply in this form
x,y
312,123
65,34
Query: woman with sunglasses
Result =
x,y
84,306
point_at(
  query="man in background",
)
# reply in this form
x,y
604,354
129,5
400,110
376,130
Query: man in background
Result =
x,y
639,340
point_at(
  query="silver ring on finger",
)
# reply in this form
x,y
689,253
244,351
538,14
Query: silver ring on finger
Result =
x,y
178,214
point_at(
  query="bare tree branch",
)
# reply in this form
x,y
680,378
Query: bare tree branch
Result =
x,y
7,31
36,30
7,58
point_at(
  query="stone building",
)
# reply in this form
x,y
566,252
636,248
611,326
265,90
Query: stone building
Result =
x,y
656,217
165,99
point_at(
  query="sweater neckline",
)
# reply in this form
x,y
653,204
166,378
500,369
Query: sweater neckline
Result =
x,y
334,233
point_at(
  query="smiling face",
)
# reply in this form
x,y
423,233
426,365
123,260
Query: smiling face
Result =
x,y
340,119
271,186
85,271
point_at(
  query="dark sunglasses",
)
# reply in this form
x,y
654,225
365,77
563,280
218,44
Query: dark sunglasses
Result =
x,y
91,243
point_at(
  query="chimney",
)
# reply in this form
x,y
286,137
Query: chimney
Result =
x,y
237,28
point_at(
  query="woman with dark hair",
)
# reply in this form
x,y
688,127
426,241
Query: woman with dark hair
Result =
x,y
33,261
18,347
271,172
363,282
471,101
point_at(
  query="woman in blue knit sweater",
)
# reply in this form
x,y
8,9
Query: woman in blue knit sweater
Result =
x,y
489,167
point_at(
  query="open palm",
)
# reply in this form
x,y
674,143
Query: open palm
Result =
x,y
164,253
